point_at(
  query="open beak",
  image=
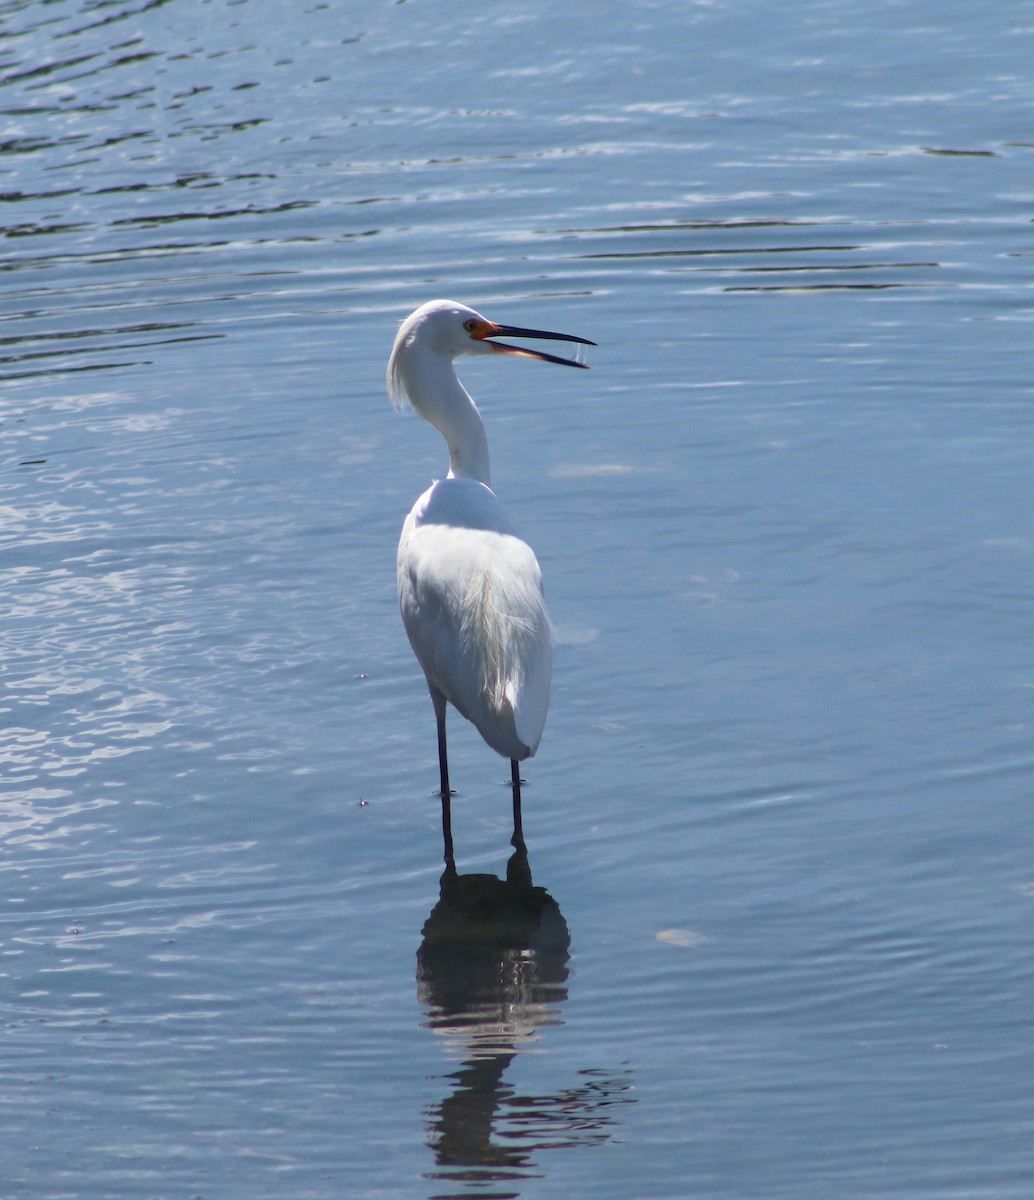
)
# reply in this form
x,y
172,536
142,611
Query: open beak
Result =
x,y
493,331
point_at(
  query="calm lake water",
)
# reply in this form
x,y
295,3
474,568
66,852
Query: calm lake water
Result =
x,y
779,937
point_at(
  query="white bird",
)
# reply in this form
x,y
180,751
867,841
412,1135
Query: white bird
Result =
x,y
470,588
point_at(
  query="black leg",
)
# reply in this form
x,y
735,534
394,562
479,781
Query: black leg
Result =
x,y
443,767
447,829
518,828
443,756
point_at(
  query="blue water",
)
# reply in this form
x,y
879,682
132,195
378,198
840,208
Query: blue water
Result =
x,y
776,942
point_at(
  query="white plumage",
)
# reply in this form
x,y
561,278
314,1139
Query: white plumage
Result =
x,y
470,588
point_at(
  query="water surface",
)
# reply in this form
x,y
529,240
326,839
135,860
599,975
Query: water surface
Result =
x,y
775,940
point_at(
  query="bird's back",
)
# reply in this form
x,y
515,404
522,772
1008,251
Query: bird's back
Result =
x,y
470,591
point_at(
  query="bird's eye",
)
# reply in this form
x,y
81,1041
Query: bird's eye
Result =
x,y
470,326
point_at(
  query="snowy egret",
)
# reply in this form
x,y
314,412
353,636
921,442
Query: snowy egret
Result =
x,y
470,588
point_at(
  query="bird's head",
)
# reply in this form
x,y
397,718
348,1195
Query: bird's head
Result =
x,y
447,329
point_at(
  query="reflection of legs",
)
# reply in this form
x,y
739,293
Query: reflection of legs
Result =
x,y
518,828
443,767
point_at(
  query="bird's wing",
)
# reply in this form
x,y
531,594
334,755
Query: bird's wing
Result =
x,y
472,604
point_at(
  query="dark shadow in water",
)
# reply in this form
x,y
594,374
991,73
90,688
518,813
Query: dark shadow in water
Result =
x,y
491,972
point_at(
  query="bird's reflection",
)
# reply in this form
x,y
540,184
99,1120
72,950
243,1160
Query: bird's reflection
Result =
x,y
492,970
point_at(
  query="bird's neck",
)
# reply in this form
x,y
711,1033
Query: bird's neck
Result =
x,y
439,397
